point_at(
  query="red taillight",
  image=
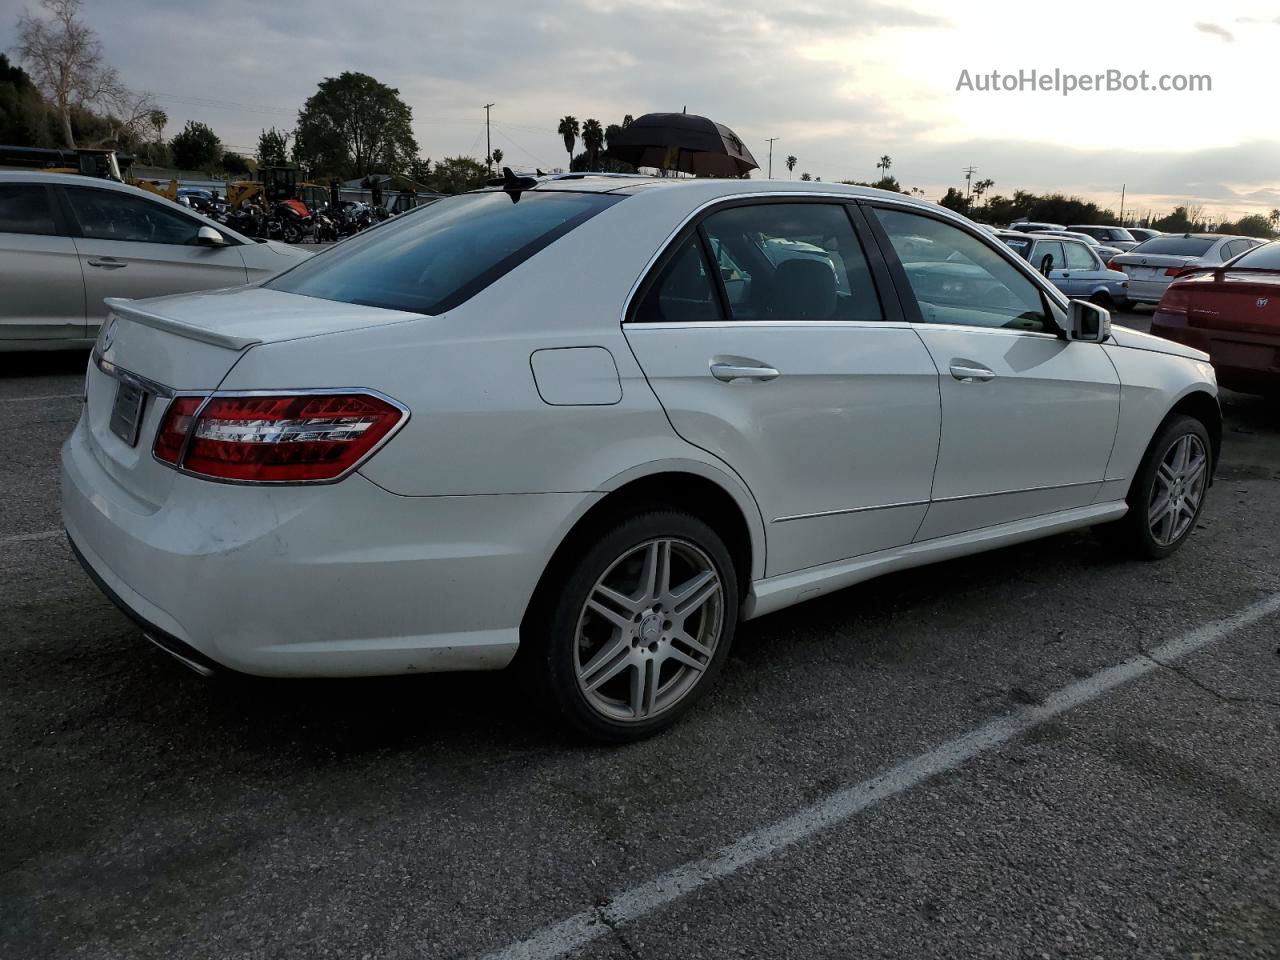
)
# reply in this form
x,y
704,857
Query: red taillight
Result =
x,y
275,438
1175,300
1174,271
173,431
1112,265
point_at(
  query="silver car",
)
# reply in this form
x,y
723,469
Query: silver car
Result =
x,y
67,242
1072,266
1152,264
1104,251
1117,237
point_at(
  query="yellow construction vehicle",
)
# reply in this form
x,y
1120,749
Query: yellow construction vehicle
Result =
x,y
102,162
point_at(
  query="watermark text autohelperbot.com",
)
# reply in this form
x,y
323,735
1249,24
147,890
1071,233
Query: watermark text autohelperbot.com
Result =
x,y
1066,83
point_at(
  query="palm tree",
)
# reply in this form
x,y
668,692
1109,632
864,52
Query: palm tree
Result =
x,y
885,163
791,164
982,186
569,130
1273,218
805,176
593,140
497,157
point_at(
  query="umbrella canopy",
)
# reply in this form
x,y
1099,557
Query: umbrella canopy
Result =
x,y
682,141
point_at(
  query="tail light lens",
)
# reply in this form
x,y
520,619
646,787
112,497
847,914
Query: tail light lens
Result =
x,y
1175,300
1174,271
1112,265
275,438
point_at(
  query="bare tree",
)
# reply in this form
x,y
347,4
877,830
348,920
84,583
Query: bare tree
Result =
x,y
64,58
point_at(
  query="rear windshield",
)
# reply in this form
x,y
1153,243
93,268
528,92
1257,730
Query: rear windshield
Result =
x,y
1265,257
1175,246
431,259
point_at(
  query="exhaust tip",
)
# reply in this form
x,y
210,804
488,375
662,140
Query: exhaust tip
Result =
x,y
200,668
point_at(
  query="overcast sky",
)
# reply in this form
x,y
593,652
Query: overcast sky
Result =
x,y
839,82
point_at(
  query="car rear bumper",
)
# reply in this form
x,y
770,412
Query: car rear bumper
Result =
x,y
337,580
1148,291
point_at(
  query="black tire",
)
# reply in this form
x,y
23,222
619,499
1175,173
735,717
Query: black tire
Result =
x,y
1102,300
549,643
1132,533
291,233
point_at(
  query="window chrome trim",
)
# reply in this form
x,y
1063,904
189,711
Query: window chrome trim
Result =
x,y
117,372
760,324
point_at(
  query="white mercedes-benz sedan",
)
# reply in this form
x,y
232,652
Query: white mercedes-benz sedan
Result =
x,y
586,424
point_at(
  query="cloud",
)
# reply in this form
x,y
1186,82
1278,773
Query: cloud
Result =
x,y
1214,30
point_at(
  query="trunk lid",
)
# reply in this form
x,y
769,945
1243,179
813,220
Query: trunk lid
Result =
x,y
1241,301
151,350
1150,266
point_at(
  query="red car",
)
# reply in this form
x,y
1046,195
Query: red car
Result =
x,y
1231,312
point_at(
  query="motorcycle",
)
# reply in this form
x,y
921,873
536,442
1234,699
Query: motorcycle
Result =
x,y
294,219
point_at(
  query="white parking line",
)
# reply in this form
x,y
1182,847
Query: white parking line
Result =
x,y
560,938
56,396
27,537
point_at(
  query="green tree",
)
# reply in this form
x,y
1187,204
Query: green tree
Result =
x,y
196,147
884,163
805,177
593,140
497,157
273,148
1177,222
955,200
235,164
1273,218
458,174
353,126
627,121
22,109
568,129
791,164
64,58
1254,225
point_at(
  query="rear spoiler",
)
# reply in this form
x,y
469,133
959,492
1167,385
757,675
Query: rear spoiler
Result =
x,y
127,308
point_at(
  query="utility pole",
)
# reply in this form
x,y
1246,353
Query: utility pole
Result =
x,y
488,147
771,139
968,181
1122,186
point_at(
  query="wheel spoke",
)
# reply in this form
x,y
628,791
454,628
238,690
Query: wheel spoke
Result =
x,y
682,636
694,594
619,620
1196,470
1180,452
655,575
1159,508
637,688
605,592
679,656
606,664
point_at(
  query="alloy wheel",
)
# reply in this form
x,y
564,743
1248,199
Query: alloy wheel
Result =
x,y
1178,489
649,629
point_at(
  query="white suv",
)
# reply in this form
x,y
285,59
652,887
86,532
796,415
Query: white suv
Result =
x,y
589,424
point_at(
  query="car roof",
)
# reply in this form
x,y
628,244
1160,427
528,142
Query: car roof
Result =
x,y
71,179
711,188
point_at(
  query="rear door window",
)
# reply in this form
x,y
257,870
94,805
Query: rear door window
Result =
x,y
1079,257
792,261
1265,257
446,253
24,208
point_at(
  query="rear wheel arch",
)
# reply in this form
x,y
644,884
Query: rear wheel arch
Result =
x,y
676,489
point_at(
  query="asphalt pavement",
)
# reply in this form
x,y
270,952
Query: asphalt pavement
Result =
x,y
1043,751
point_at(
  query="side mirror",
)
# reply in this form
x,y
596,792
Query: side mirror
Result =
x,y
209,237
1087,322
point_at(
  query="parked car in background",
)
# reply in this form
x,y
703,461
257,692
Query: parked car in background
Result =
x,y
1152,264
1102,250
1144,233
1118,237
601,486
1072,266
1028,226
1231,312
67,241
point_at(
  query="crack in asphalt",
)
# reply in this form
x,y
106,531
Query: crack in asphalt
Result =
x,y
1208,688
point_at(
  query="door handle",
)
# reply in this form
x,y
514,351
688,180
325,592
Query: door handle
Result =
x,y
746,370
966,371
108,263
